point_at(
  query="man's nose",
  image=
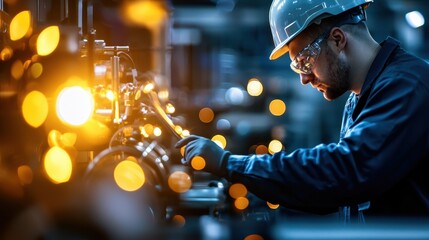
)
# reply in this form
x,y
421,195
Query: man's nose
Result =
x,y
306,78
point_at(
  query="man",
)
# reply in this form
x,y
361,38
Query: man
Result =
x,y
381,162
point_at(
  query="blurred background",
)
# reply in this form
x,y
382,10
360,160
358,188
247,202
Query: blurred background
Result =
x,y
208,58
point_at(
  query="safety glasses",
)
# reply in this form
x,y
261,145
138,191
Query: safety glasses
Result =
x,y
305,60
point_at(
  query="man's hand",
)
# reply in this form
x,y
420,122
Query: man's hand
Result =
x,y
214,156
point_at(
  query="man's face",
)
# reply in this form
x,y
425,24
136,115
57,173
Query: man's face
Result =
x,y
329,70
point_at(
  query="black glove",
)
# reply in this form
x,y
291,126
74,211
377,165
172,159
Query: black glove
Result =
x,y
215,157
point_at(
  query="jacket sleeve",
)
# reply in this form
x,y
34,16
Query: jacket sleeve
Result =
x,y
381,147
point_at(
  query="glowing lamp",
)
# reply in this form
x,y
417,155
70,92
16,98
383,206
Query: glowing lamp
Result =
x,y
75,105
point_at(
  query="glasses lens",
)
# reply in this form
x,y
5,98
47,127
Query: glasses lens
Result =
x,y
305,60
303,65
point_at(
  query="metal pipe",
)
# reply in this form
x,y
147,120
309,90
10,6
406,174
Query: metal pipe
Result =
x,y
116,88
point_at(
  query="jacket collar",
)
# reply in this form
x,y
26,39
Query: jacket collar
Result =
x,y
379,63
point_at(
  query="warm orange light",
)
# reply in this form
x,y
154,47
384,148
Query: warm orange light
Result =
x,y
261,149
254,87
48,40
185,133
110,95
75,105
157,131
275,146
163,95
178,129
25,174
241,203
54,138
182,151
206,115
198,163
6,53
179,220
179,182
146,130
148,87
146,13
132,159
17,69
237,190
277,107
58,165
273,206
94,132
129,176
68,139
20,26
169,108
35,109
254,237
36,70
219,140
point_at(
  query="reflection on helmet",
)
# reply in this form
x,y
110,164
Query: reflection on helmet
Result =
x,y
288,18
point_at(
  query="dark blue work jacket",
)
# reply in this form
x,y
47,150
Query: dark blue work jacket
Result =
x,y
382,156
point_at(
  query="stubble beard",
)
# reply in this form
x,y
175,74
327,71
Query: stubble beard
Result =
x,y
338,76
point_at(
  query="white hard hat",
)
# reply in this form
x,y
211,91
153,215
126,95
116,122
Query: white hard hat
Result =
x,y
288,18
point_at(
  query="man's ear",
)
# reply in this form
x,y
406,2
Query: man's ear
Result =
x,y
339,37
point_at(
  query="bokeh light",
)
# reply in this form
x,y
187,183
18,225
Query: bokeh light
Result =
x,y
17,69
275,146
219,140
6,53
178,129
223,124
415,19
237,190
235,96
169,108
157,131
129,176
36,70
206,115
241,203
54,138
179,220
254,87
35,108
198,163
144,13
277,107
179,181
261,149
58,165
68,139
253,237
147,88
273,206
25,174
185,133
48,40
146,130
20,26
75,105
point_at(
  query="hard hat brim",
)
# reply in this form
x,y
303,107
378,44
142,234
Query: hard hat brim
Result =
x,y
279,51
